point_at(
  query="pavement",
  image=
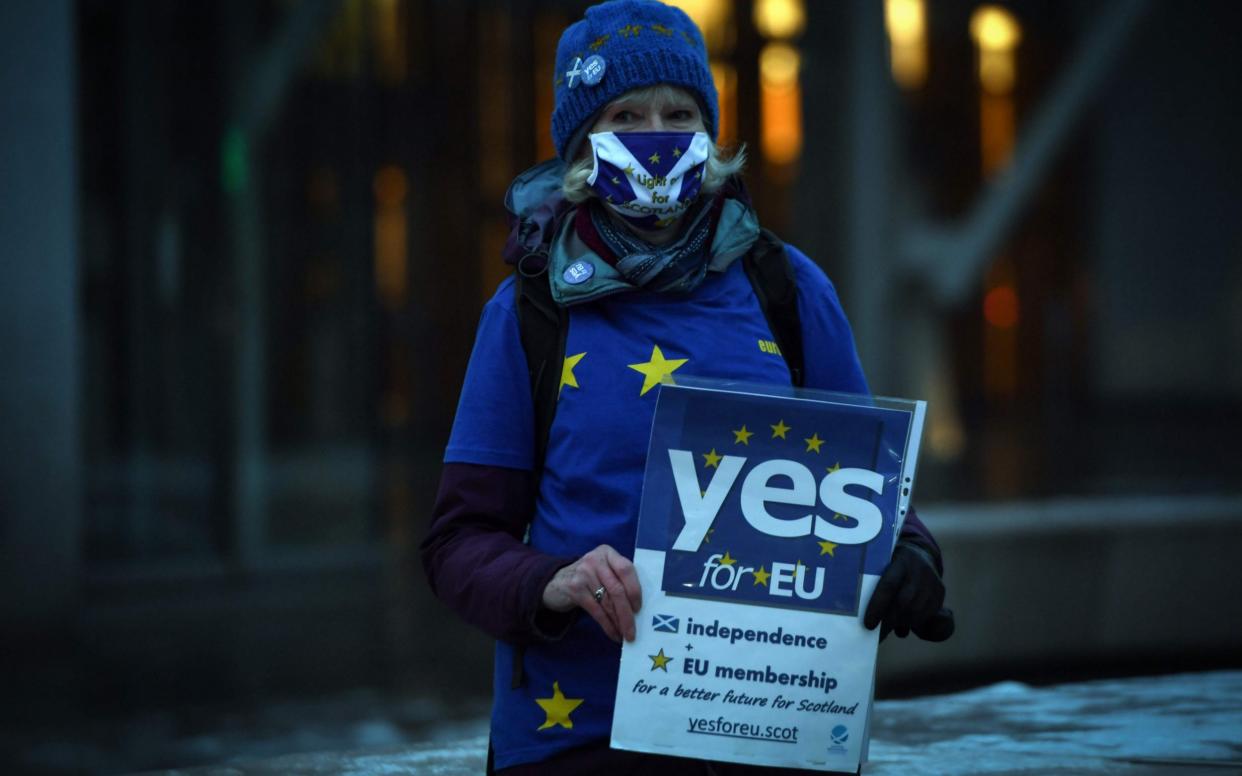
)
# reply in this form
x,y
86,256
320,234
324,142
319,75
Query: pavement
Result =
x,y
1178,724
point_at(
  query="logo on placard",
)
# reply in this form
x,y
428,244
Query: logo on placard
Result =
x,y
664,623
839,735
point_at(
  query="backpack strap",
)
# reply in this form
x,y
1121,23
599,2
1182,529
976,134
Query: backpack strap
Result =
x,y
543,325
771,274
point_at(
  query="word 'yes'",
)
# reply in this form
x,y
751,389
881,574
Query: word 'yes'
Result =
x,y
700,508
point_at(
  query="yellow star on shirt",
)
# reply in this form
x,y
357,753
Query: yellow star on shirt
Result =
x,y
660,661
558,708
654,158
711,460
780,429
813,442
727,560
761,576
657,370
567,372
742,436
828,548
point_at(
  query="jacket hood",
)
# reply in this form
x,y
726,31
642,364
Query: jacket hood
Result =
x,y
536,207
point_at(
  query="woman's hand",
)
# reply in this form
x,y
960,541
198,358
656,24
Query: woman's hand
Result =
x,y
910,597
602,567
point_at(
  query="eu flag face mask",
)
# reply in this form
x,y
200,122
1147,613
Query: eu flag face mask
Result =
x,y
648,178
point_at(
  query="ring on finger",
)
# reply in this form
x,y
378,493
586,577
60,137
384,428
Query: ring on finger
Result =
x,y
599,594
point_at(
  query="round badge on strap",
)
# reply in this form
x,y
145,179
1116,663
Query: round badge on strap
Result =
x,y
578,272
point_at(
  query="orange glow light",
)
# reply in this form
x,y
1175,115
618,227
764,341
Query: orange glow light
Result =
x,y
780,18
391,236
996,33
714,19
725,77
390,44
906,24
1000,307
780,103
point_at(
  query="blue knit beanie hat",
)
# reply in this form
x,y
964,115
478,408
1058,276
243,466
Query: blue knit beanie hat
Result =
x,y
622,45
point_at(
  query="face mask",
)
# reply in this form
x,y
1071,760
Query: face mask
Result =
x,y
649,178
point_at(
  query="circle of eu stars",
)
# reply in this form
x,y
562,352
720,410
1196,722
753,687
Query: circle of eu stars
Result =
x,y
780,430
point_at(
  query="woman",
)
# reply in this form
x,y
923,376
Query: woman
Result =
x,y
643,225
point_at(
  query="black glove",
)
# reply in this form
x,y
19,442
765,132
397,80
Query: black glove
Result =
x,y
910,596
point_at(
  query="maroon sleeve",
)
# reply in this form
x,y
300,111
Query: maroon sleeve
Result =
x,y
914,530
475,559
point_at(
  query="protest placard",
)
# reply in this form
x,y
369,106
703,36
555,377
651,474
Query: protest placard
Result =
x,y
765,523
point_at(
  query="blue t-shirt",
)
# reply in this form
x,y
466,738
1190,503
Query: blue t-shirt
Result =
x,y
617,350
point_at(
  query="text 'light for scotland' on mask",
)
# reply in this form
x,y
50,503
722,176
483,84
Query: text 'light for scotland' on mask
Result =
x,y
649,178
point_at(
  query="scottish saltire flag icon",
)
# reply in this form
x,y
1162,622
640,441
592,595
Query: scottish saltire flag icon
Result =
x,y
665,623
649,176
770,500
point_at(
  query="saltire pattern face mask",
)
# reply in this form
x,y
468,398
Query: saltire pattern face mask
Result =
x,y
649,178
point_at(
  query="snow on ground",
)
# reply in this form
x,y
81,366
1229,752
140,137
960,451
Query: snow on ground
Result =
x,y
1188,723
1117,726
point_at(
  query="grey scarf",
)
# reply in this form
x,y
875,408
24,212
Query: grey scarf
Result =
x,y
679,266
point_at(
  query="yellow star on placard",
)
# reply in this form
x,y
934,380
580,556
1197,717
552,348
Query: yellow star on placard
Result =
x,y
558,708
780,429
828,548
742,436
797,568
660,661
567,372
761,577
629,169
657,370
834,468
614,180
727,560
813,442
711,460
654,158
839,516
707,537
676,152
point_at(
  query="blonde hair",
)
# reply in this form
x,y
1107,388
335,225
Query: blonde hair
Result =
x,y
721,164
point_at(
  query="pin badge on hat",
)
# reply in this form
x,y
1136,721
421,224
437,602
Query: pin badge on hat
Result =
x,y
578,272
589,72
